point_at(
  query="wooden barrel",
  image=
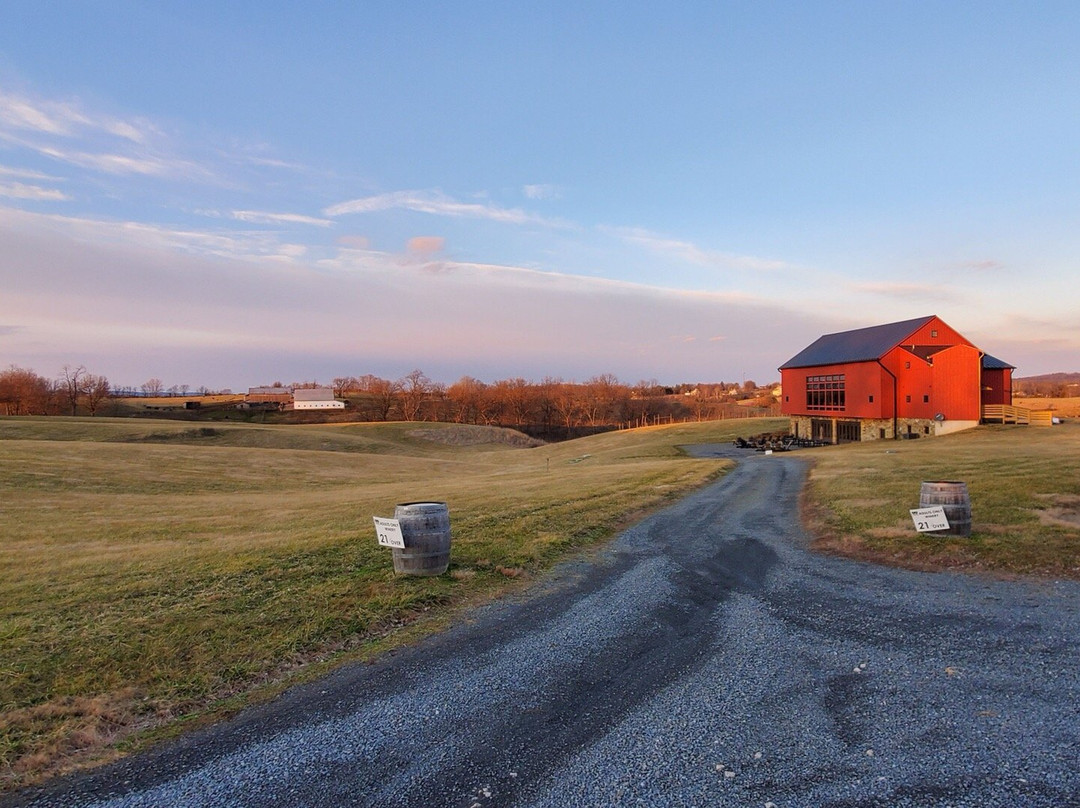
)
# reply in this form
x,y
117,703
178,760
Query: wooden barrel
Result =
x,y
953,497
425,529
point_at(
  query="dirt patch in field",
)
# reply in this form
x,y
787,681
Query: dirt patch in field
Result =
x,y
1063,511
64,734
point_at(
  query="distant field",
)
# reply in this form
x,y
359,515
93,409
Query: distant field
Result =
x,y
1064,407
1024,484
151,571
140,404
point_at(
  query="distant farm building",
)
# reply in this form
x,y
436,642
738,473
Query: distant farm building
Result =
x,y
899,380
315,398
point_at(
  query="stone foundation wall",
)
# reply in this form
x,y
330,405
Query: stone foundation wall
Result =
x,y
882,428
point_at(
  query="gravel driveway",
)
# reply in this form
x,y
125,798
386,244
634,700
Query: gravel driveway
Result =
x,y
705,659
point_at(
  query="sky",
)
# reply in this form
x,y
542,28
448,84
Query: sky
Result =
x,y
228,194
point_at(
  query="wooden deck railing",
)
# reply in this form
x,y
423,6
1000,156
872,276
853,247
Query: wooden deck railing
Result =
x,y
1006,414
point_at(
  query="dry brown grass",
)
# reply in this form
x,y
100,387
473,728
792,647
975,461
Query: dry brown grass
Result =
x,y
1064,407
155,571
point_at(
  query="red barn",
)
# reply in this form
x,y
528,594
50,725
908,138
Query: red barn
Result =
x,y
916,377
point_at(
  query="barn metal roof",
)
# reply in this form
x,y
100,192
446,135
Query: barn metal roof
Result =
x,y
993,363
860,345
313,394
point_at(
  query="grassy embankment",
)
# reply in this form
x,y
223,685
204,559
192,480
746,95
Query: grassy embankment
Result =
x,y
1023,481
152,573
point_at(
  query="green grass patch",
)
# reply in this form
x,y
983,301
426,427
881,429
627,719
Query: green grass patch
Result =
x,y
151,571
1024,485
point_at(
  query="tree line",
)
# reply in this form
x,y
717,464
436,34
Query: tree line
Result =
x,y
24,392
546,406
543,407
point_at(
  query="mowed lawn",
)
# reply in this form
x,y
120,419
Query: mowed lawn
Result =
x,y
154,571
1023,482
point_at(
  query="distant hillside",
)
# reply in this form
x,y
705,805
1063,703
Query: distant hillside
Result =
x,y
1052,378
1048,384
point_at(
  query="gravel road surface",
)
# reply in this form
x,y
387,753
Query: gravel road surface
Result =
x,y
704,659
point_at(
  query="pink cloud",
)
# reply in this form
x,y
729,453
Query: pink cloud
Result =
x,y
426,245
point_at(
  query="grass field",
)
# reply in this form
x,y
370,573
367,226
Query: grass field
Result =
x,y
1064,407
1023,481
156,571
154,574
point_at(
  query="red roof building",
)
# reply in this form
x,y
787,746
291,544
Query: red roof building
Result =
x,y
916,377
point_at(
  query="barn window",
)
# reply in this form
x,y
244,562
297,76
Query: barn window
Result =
x,y
825,392
907,399
933,333
871,399
907,365
926,399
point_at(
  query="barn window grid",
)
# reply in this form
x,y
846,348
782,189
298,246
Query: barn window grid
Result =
x,y
825,392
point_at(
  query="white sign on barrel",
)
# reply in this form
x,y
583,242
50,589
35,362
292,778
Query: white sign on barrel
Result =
x,y
388,532
929,519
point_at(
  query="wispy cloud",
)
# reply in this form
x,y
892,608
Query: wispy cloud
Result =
x,y
78,277
263,217
67,132
1045,325
26,174
692,253
439,204
121,163
542,191
18,190
271,162
65,118
985,265
908,291
355,242
233,244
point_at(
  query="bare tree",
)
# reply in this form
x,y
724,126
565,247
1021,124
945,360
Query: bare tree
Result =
x,y
95,391
513,397
440,401
382,394
567,403
413,390
604,399
153,387
343,384
466,394
71,380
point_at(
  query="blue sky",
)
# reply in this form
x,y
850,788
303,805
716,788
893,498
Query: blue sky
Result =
x,y
229,194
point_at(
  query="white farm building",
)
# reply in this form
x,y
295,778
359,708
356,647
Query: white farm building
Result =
x,y
316,398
